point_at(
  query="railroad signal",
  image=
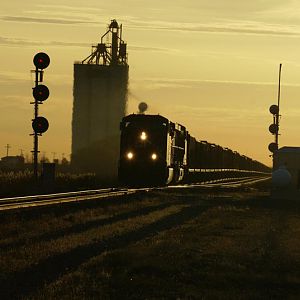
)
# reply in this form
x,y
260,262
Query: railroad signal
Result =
x,y
40,125
41,60
274,128
40,92
274,110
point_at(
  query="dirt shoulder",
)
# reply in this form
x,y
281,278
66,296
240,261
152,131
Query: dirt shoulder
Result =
x,y
159,245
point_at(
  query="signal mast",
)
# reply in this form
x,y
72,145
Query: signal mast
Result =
x,y
275,111
40,93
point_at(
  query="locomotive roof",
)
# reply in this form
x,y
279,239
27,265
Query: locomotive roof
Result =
x,y
141,117
288,149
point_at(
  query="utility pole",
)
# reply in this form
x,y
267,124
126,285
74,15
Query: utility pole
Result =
x,y
278,112
43,158
7,148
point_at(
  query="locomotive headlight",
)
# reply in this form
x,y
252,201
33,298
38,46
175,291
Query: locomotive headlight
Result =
x,y
154,156
143,136
129,155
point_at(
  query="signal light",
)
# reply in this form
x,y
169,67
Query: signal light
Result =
x,y
273,147
40,125
40,92
41,60
274,109
273,128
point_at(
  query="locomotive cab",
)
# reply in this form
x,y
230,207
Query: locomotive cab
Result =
x,y
153,151
143,150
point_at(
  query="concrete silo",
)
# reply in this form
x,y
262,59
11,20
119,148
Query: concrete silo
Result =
x,y
100,96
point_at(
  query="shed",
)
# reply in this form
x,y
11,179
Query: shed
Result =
x,y
289,157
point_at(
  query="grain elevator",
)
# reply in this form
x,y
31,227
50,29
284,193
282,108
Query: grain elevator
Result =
x,y
99,103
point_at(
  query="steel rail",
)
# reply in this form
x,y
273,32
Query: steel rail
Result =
x,y
234,182
55,195
42,200
59,198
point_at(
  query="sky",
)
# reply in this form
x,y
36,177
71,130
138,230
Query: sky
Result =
x,y
209,65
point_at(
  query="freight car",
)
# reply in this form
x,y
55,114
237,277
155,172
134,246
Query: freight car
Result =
x,y
156,151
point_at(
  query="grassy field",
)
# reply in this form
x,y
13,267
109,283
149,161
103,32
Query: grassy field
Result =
x,y
159,245
21,183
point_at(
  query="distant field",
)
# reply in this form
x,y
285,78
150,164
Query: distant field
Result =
x,y
158,245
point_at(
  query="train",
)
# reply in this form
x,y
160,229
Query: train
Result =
x,y
155,151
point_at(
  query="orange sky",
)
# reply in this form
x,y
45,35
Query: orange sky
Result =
x,y
211,65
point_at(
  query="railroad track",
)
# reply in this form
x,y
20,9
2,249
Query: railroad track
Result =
x,y
50,199
60,198
224,183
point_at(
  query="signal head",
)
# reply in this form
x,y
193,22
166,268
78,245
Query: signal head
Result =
x,y
41,60
274,109
273,128
40,125
273,147
40,92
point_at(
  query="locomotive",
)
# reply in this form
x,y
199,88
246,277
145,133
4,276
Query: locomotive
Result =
x,y
155,151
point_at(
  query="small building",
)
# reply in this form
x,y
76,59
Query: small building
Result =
x,y
12,162
289,159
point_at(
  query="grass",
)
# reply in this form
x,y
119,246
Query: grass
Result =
x,y
23,183
154,246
